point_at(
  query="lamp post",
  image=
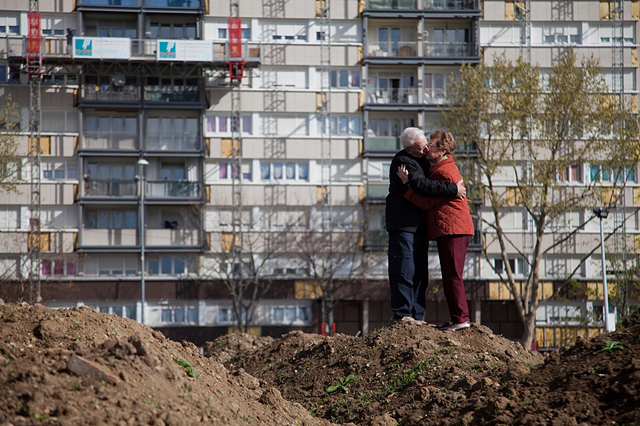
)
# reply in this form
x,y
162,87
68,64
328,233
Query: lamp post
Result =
x,y
609,323
141,165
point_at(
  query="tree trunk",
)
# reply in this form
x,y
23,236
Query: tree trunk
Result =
x,y
528,334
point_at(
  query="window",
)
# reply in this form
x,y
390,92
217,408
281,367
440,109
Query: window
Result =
x,y
9,217
59,267
167,133
518,266
59,79
55,25
606,174
9,25
284,171
173,31
60,170
286,31
342,125
116,28
111,219
291,314
179,314
170,265
561,35
345,78
125,311
221,124
285,77
111,264
435,87
227,171
573,173
246,33
388,127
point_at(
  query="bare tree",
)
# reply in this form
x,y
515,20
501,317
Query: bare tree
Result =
x,y
10,161
329,256
539,133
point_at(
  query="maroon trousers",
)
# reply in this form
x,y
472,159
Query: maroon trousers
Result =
x,y
452,250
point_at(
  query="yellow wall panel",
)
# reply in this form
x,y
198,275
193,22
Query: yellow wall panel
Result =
x,y
635,9
227,240
509,10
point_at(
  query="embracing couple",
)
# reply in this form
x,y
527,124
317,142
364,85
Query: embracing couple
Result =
x,y
426,202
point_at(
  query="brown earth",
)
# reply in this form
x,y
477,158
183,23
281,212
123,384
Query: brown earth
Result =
x,y
137,380
406,374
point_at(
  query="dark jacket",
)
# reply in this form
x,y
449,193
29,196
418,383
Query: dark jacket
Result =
x,y
401,214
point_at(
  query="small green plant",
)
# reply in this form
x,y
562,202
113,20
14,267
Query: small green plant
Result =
x,y
110,362
41,417
187,367
343,384
76,385
610,345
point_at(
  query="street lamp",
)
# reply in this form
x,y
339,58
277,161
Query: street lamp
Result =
x,y
141,165
609,320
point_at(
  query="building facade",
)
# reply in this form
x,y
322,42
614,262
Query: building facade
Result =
x,y
139,162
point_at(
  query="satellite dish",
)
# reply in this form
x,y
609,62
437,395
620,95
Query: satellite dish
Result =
x,y
118,80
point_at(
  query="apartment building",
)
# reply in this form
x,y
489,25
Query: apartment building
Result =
x,y
138,137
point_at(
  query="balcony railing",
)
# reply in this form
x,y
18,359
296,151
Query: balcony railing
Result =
x,y
110,140
376,239
172,94
108,93
422,4
377,191
393,4
110,188
109,237
393,96
181,4
394,48
171,142
435,96
383,144
449,49
172,237
173,188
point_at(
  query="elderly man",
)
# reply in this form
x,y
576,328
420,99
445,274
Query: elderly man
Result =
x,y
408,268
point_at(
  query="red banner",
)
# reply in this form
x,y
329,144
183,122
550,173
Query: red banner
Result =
x,y
34,38
235,36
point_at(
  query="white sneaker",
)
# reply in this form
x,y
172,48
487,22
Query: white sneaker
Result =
x,y
455,327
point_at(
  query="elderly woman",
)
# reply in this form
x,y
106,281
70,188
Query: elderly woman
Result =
x,y
449,223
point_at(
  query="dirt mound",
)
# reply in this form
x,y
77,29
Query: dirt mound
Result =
x,y
402,374
233,346
78,366
412,374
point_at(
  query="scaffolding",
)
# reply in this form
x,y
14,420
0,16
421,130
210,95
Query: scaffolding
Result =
x,y
236,68
33,63
523,12
323,21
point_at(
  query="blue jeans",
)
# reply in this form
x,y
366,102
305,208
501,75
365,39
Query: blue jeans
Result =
x,y
408,273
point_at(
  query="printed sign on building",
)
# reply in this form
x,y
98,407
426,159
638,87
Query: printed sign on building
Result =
x,y
102,47
34,39
235,36
185,50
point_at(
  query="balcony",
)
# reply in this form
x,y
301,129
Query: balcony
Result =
x,y
110,141
435,96
110,188
450,50
172,238
176,188
172,94
178,4
382,144
392,96
171,142
109,93
408,49
422,5
377,192
109,237
377,239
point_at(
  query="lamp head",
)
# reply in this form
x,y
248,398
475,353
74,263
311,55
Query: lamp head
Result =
x,y
600,212
143,162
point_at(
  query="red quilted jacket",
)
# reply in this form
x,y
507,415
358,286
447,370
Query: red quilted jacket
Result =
x,y
445,216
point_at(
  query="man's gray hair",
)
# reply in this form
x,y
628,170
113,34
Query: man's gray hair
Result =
x,y
410,135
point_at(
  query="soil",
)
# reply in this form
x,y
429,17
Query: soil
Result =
x,y
79,366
